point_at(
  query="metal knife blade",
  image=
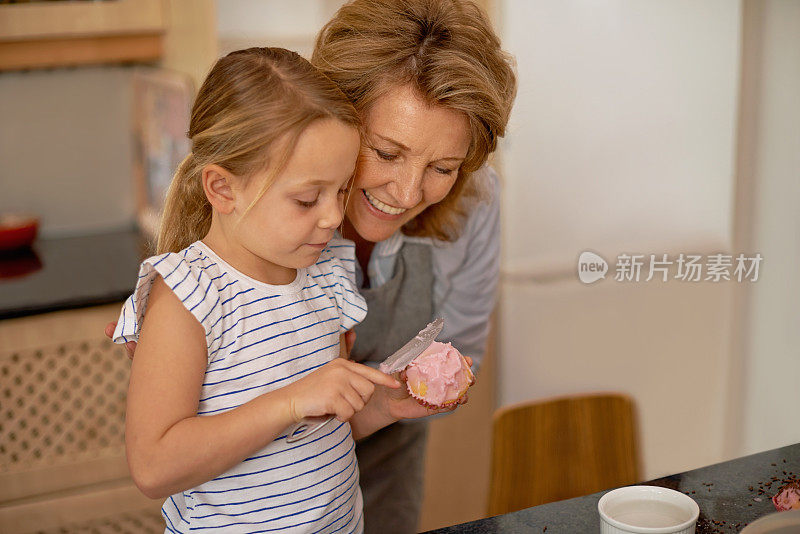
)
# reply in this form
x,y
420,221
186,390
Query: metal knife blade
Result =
x,y
413,348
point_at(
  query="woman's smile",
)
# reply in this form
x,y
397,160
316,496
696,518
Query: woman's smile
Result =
x,y
400,170
382,207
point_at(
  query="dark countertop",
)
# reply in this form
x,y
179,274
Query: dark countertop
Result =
x,y
69,272
730,495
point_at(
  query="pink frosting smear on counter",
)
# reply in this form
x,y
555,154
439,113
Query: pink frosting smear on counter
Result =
x,y
439,376
788,498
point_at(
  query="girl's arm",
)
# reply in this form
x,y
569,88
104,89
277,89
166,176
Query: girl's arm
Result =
x,y
169,447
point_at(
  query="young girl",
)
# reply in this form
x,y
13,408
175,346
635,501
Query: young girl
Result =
x,y
239,318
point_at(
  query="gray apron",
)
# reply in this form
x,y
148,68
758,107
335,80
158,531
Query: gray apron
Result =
x,y
391,461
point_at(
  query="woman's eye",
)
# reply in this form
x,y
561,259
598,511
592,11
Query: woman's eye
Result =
x,y
385,155
442,170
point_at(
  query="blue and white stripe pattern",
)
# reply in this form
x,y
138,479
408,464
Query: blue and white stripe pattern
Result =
x,y
262,337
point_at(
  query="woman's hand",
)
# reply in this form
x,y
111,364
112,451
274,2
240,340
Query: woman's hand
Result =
x,y
401,405
390,405
130,346
346,342
340,387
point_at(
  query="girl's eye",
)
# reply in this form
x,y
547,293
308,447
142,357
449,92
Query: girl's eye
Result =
x,y
385,155
344,190
307,203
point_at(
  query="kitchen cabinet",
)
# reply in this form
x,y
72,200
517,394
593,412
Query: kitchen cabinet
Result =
x,y
63,386
173,34
62,418
50,34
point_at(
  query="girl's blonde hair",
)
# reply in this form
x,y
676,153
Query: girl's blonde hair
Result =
x,y
250,101
448,51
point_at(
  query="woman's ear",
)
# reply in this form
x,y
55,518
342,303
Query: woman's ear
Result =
x,y
217,187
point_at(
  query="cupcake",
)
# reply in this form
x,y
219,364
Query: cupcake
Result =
x,y
788,498
439,376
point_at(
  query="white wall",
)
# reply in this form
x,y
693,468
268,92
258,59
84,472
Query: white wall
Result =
x,y
622,139
623,131
662,344
771,170
292,25
66,148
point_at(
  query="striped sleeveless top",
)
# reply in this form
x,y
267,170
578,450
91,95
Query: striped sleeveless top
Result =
x,y
262,337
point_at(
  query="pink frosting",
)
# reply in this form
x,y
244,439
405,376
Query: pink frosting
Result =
x,y
439,376
788,498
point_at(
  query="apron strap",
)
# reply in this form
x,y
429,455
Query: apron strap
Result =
x,y
398,309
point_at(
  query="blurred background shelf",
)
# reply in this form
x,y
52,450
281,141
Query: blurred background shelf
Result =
x,y
54,34
174,34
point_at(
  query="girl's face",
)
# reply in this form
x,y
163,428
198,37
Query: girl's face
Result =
x,y
288,227
409,160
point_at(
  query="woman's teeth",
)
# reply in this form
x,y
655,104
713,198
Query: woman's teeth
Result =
x,y
380,206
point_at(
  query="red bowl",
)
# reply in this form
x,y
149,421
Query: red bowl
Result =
x,y
17,231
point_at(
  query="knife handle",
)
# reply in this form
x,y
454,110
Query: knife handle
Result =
x,y
306,427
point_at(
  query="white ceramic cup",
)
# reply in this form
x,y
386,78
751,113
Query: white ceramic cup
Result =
x,y
647,510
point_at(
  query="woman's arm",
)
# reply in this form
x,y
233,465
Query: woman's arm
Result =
x,y
170,448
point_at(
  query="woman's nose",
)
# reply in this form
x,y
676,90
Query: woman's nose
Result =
x,y
407,188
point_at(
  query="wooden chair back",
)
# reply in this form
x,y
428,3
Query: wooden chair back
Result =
x,y
562,448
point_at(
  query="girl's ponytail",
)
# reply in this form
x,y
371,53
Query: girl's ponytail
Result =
x,y
187,212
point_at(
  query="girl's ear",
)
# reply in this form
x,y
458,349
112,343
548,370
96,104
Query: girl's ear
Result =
x,y
217,187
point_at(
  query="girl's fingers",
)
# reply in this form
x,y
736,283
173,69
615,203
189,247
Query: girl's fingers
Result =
x,y
374,376
343,410
363,387
355,399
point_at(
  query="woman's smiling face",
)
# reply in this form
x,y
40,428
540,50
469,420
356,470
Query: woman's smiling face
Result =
x,y
409,160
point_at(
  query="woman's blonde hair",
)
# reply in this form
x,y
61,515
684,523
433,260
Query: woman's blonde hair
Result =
x,y
250,100
448,51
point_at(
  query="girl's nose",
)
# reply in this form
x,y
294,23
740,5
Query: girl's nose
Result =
x,y
332,215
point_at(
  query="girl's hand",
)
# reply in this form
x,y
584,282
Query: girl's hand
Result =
x,y
340,387
130,346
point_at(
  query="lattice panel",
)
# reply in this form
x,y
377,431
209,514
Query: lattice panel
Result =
x,y
139,523
62,404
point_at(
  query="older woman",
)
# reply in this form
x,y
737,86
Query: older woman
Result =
x,y
435,91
